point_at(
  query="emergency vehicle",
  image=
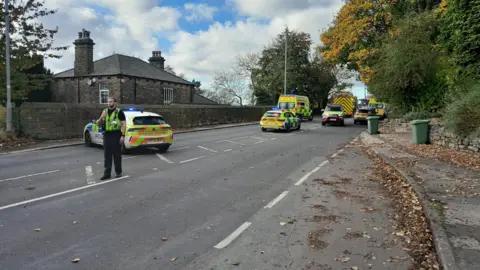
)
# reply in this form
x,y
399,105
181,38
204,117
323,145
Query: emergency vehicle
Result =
x,y
347,100
333,114
379,107
299,105
144,129
280,119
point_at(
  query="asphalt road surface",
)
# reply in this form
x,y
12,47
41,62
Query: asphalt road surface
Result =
x,y
53,208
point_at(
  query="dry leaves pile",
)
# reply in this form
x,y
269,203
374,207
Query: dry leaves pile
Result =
x,y
412,223
448,155
13,142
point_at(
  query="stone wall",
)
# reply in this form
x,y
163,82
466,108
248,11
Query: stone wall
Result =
x,y
438,134
67,120
131,91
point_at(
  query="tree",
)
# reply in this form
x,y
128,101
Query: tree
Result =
x,y
355,35
30,43
406,72
268,76
245,65
230,85
322,80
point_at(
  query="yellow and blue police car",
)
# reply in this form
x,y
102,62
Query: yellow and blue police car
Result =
x,y
144,129
279,119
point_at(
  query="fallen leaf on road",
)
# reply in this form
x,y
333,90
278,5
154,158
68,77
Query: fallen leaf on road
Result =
x,y
37,229
164,238
76,260
75,222
173,259
354,268
283,223
399,233
345,259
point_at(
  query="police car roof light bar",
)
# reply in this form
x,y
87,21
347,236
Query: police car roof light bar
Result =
x,y
133,109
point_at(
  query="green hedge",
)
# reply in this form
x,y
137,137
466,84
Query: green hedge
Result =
x,y
462,116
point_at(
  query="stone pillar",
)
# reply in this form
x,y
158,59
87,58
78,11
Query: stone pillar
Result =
x,y
157,60
83,54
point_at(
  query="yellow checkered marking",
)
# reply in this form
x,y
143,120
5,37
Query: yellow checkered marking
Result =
x,y
347,104
288,99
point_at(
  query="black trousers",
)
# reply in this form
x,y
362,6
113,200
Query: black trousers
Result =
x,y
112,148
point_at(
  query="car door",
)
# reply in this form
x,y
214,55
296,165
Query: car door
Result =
x,y
97,134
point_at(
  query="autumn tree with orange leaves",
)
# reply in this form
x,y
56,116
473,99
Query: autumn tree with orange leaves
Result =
x,y
356,34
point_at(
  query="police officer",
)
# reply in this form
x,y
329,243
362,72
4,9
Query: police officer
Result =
x,y
113,123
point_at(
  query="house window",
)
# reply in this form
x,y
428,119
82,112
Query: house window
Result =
x,y
103,93
167,96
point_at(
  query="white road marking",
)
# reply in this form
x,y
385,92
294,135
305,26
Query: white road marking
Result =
x,y
316,169
323,163
229,140
234,142
276,200
334,155
164,159
305,177
129,157
29,175
291,134
208,149
192,159
228,150
273,139
62,193
339,151
257,138
258,142
233,235
180,148
89,173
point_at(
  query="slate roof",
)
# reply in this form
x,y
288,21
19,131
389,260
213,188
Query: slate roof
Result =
x,y
199,99
119,64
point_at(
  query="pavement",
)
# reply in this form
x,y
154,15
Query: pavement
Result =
x,y
169,210
450,193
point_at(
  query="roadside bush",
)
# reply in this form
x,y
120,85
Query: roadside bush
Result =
x,y
3,112
462,116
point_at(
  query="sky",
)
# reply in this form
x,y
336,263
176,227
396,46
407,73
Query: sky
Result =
x,y
195,37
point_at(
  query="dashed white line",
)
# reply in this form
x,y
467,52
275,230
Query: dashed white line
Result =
x,y
28,175
339,151
61,193
228,150
208,149
233,235
305,177
334,155
129,157
258,142
276,200
230,140
323,163
89,174
164,159
273,139
180,148
234,142
257,138
192,159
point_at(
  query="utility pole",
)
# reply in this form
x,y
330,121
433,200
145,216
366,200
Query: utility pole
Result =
x,y
285,79
7,62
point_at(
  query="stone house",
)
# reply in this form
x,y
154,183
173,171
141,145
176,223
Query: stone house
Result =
x,y
130,80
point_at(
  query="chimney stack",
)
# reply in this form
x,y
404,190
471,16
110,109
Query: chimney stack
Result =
x,y
157,60
83,65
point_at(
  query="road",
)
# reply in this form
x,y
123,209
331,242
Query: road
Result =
x,y
53,208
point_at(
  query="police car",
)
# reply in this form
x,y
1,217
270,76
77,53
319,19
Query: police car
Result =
x,y
279,119
144,129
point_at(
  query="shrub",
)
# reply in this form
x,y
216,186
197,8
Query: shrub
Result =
x,y
462,116
415,115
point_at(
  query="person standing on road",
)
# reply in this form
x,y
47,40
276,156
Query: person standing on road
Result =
x,y
113,125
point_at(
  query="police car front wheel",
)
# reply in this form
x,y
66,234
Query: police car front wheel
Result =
x,y
88,139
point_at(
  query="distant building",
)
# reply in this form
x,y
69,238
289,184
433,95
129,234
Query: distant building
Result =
x,y
130,80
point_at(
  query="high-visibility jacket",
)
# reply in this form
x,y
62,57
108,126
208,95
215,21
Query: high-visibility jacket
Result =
x,y
112,122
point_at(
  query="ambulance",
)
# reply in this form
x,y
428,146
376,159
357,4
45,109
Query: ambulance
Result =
x,y
298,105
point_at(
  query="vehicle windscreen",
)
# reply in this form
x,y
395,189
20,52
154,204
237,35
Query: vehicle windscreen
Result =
x,y
333,109
378,106
286,105
148,120
272,114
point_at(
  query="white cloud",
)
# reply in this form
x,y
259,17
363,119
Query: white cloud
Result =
x,y
200,12
129,27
